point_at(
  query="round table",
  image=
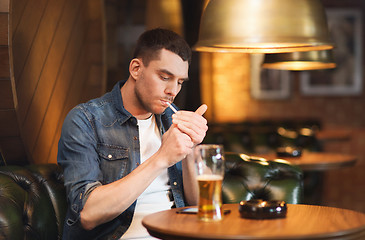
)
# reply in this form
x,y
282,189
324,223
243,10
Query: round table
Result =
x,y
302,222
316,161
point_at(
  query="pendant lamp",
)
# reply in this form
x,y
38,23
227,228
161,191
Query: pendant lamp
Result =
x,y
299,61
263,26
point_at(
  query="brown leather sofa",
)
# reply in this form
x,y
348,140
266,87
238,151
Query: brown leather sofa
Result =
x,y
33,198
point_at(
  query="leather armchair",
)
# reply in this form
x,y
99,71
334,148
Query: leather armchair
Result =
x,y
32,202
33,198
249,178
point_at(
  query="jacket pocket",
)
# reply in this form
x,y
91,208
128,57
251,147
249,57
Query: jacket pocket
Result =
x,y
113,161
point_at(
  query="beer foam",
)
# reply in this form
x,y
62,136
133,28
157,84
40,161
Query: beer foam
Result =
x,y
207,177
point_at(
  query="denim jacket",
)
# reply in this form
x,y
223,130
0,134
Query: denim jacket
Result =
x,y
99,144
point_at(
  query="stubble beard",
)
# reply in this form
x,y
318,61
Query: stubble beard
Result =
x,y
145,103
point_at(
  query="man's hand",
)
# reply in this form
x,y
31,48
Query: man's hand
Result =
x,y
192,124
175,146
188,130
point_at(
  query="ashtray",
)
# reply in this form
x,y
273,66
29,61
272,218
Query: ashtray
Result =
x,y
260,209
288,152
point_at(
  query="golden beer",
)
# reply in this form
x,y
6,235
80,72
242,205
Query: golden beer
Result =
x,y
210,197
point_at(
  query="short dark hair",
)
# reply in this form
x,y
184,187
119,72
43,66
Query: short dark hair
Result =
x,y
152,41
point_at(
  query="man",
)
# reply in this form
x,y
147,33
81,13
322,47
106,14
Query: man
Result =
x,y
126,154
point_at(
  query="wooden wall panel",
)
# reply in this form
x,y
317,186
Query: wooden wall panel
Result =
x,y
4,6
17,12
7,101
95,55
7,116
25,33
50,57
11,145
4,62
32,118
58,98
4,28
13,151
29,79
73,95
86,82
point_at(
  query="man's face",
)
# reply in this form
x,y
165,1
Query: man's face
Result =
x,y
161,81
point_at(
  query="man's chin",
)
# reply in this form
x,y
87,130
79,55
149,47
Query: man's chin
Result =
x,y
162,111
159,111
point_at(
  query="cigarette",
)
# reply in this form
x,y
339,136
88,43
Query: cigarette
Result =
x,y
172,108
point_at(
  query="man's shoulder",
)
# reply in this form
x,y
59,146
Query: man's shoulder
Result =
x,y
104,101
107,101
95,109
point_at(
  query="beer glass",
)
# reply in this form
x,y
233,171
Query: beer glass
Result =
x,y
209,162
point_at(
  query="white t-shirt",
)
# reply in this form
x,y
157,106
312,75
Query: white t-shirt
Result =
x,y
155,197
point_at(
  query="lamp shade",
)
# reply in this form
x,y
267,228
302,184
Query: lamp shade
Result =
x,y
298,61
263,26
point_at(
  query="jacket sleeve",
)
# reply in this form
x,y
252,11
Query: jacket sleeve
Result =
x,y
78,157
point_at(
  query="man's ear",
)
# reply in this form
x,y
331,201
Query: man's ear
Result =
x,y
135,67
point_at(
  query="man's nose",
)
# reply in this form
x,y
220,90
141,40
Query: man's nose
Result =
x,y
172,89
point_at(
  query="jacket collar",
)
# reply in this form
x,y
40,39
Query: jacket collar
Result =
x,y
165,117
124,115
